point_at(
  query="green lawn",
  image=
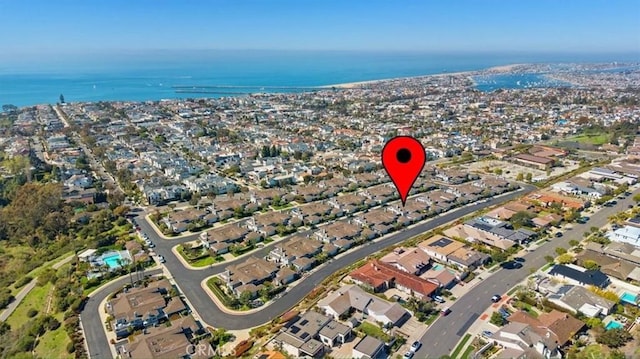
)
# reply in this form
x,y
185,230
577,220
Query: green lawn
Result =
x,y
596,139
35,299
464,341
467,353
213,284
512,290
206,261
374,331
431,318
200,262
288,205
54,345
592,351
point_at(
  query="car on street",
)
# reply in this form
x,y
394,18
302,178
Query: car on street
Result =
x,y
161,259
558,234
150,244
519,259
415,346
408,355
487,333
496,298
517,265
445,311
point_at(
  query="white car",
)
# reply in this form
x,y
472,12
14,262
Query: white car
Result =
x,y
161,259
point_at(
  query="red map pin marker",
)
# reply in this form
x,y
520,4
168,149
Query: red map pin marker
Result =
x,y
403,157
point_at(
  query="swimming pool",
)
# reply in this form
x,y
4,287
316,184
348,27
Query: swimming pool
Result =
x,y
111,259
628,298
437,266
613,325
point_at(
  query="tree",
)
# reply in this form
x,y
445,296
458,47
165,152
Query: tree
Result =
x,y
529,177
497,319
637,197
522,219
245,297
560,250
159,139
606,294
520,177
614,338
564,258
549,259
590,265
571,215
573,243
593,322
498,256
62,98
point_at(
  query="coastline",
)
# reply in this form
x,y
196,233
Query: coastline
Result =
x,y
357,84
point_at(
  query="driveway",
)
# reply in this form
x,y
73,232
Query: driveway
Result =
x,y
443,335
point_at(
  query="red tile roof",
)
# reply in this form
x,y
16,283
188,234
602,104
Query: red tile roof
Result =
x,y
376,273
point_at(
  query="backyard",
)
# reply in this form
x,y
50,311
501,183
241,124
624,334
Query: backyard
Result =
x,y
373,330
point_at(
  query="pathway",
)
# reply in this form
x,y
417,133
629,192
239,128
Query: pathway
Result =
x,y
27,288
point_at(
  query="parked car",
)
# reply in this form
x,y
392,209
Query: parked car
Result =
x,y
445,311
486,333
415,346
559,234
408,355
519,259
496,298
161,259
438,299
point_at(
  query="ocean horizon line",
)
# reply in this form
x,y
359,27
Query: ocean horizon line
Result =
x,y
155,79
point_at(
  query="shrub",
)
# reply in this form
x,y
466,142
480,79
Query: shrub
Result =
x,y
614,338
5,298
23,281
25,343
70,347
32,312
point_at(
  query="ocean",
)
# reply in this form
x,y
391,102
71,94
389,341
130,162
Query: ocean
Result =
x,y
153,75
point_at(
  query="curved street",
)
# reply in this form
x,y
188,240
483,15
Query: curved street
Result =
x,y
443,335
189,280
94,334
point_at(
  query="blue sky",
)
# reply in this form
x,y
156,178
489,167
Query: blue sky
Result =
x,y
62,26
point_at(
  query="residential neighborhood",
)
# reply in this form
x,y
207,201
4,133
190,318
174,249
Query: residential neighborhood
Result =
x,y
265,225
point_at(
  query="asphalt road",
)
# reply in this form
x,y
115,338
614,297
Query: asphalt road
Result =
x,y
443,335
94,334
189,280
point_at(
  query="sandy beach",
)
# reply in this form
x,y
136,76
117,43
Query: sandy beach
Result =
x,y
348,85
